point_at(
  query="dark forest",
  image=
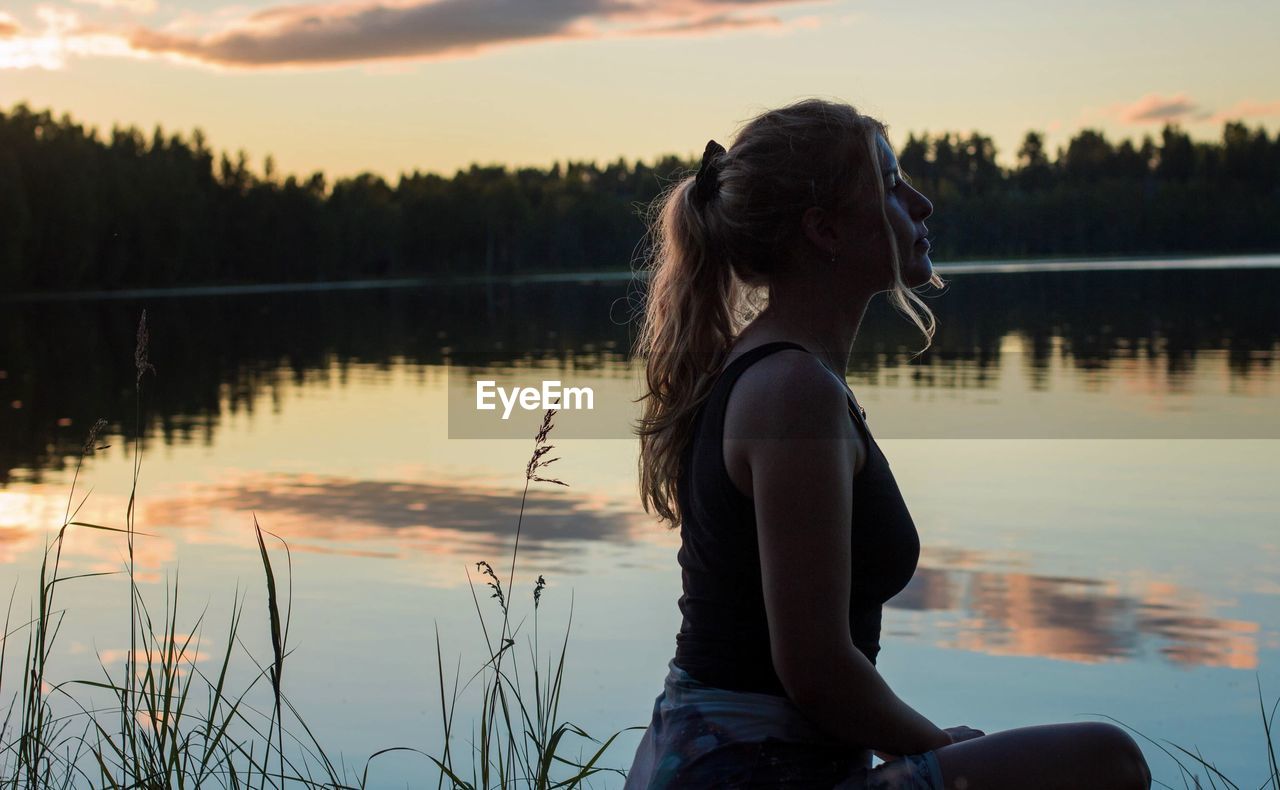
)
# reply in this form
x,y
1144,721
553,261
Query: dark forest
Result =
x,y
83,210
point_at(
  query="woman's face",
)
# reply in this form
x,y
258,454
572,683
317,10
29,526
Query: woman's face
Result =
x,y
907,210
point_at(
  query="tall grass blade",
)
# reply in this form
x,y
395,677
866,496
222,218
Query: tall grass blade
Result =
x,y
277,639
1267,722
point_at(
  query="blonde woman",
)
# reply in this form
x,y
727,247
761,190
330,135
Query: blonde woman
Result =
x,y
793,531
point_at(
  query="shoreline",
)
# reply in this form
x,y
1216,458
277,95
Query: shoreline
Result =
x,y
1254,261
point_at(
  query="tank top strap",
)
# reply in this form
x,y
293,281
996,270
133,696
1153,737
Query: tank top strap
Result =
x,y
734,370
718,399
748,358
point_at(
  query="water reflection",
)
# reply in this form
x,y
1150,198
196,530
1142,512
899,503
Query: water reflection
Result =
x,y
1072,619
958,598
23,517
1147,345
389,519
64,364
29,520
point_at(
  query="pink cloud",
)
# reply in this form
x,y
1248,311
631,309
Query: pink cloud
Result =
x,y
351,31
1248,108
711,24
1154,107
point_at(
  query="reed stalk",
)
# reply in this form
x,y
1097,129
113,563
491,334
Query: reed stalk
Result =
x,y
518,747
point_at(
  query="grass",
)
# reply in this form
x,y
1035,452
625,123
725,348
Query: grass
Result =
x,y
518,745
161,721
1191,762
164,722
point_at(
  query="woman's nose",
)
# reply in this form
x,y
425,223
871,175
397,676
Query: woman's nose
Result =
x,y
923,208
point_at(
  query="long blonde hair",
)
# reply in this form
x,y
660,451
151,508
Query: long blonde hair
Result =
x,y
710,261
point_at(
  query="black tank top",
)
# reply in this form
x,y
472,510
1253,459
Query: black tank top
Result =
x,y
724,638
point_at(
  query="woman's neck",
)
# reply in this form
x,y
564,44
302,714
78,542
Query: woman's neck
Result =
x,y
825,327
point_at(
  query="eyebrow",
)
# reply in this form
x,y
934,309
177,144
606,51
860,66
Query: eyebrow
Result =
x,y
894,171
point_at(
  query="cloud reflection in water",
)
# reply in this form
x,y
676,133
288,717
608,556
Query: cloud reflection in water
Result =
x,y
1072,619
958,599
344,515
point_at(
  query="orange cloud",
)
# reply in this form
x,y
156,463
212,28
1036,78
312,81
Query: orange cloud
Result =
x,y
352,31
8,26
63,36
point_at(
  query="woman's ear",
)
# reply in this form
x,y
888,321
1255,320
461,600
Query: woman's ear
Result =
x,y
819,230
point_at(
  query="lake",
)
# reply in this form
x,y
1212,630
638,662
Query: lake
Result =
x,y
1088,450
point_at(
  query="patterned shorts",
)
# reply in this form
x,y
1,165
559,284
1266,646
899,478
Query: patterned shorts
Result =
x,y
701,737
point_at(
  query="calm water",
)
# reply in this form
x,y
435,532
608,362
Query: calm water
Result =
x,y
1090,458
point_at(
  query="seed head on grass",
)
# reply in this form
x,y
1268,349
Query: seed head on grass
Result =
x,y
141,350
494,585
541,448
517,733
91,441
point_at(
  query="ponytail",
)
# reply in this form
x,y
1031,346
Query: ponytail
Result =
x,y
691,317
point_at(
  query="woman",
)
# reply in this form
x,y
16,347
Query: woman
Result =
x,y
750,440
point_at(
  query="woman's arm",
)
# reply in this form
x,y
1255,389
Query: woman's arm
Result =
x,y
789,419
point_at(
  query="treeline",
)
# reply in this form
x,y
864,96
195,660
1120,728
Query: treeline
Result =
x,y
1171,195
80,211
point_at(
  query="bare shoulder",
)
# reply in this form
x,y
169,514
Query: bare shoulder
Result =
x,y
782,403
785,392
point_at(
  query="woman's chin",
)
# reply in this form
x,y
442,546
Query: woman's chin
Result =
x,y
920,271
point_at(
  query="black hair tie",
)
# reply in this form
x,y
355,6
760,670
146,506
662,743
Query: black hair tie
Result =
x,y
706,184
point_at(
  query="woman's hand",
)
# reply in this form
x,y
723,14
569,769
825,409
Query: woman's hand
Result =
x,y
956,734
959,734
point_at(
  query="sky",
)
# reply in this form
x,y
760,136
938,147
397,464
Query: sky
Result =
x,y
394,86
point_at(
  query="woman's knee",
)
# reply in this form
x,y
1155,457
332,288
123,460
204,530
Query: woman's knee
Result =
x,y
1062,756
1118,748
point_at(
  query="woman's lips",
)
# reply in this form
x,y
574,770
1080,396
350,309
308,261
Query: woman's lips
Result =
x,y
924,242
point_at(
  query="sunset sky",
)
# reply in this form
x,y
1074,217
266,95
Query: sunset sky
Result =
x,y
395,85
